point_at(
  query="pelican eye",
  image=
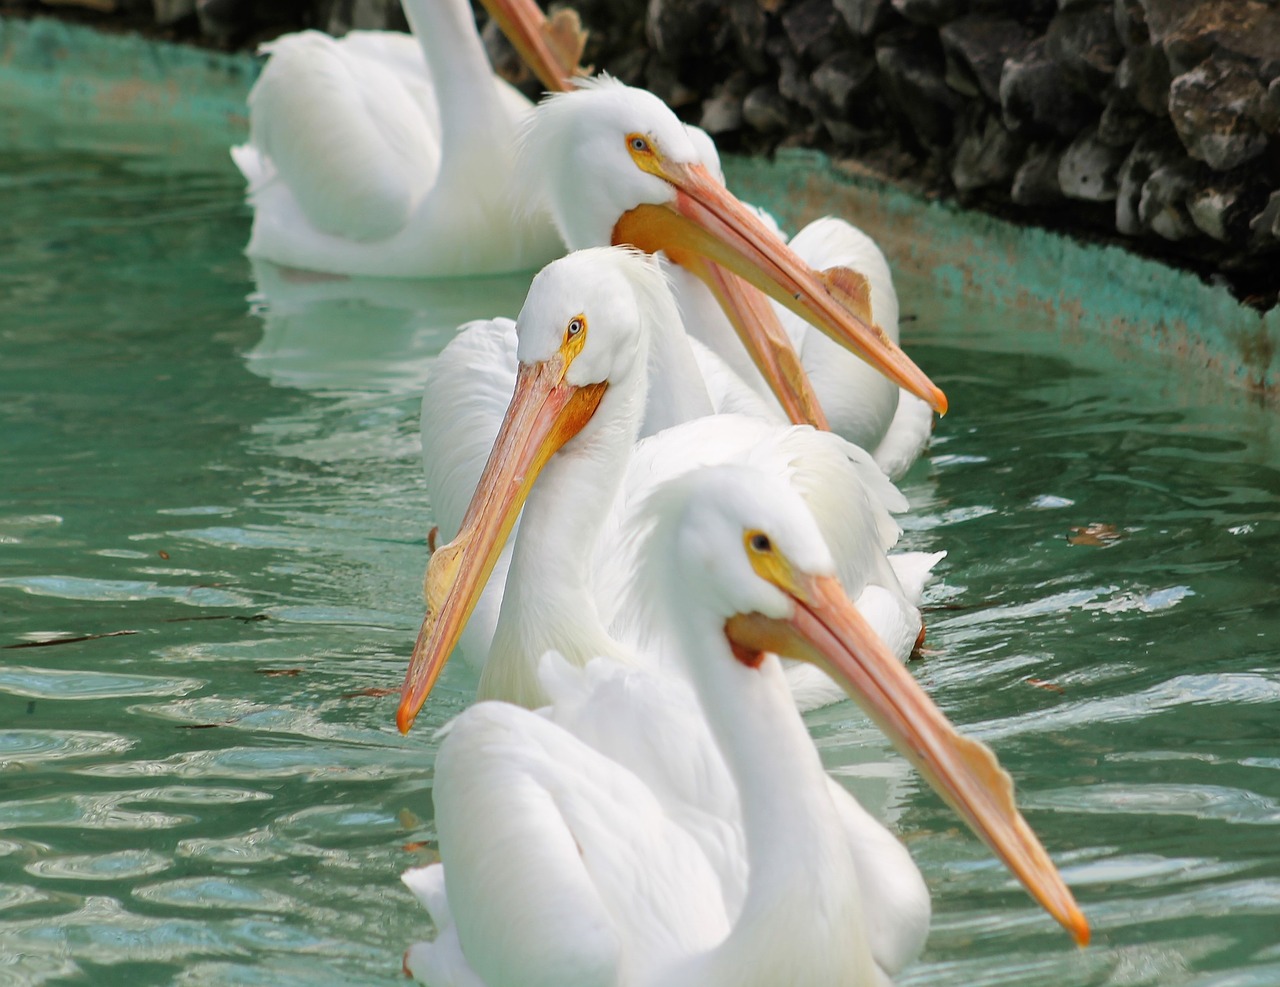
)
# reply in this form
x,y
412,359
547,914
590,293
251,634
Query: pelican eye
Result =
x,y
760,543
639,144
575,326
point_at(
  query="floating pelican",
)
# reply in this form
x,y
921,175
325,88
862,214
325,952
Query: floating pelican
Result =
x,y
574,417
860,404
562,865
388,155
612,164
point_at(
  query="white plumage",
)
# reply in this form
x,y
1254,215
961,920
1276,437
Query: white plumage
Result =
x,y
632,834
613,840
574,556
384,155
861,404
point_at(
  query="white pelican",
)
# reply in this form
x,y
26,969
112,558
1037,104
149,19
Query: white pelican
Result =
x,y
383,154
851,399
860,404
562,865
613,165
579,394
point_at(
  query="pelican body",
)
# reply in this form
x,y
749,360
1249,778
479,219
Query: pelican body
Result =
x,y
382,154
561,865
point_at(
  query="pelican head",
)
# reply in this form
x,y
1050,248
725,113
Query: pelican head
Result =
x,y
583,328
741,545
612,164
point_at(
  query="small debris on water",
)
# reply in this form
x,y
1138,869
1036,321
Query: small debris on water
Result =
x,y
1096,535
50,642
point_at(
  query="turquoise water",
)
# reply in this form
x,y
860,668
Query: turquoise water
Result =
x,y
211,545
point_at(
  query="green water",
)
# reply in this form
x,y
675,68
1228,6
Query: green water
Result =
x,y
217,484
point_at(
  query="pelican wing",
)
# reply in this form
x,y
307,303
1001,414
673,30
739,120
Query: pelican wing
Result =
x,y
349,131
527,813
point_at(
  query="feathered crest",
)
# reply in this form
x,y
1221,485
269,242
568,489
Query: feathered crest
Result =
x,y
542,133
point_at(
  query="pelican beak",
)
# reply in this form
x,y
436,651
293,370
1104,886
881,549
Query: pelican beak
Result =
x,y
545,412
706,226
770,347
551,48
827,630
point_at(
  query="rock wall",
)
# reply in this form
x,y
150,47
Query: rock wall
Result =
x,y
1152,122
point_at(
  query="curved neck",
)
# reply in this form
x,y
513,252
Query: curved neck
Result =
x,y
550,601
802,888
677,392
460,71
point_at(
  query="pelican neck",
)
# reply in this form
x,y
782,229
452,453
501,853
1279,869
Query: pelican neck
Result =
x,y
549,600
801,921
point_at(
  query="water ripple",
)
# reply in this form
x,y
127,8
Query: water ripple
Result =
x,y
121,865
77,588
20,747
84,812
1228,688
1199,801
57,683
213,892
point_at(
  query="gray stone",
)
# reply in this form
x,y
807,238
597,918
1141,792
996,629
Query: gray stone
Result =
x,y
912,84
864,17
842,76
1143,73
814,29
1131,22
169,11
931,13
1214,108
1266,225
1035,13
678,27
721,114
988,155
794,84
221,20
1268,110
1036,181
660,79
1088,168
765,110
975,47
1122,121
1192,30
1155,149
1035,97
1223,209
1083,42
749,28
1163,204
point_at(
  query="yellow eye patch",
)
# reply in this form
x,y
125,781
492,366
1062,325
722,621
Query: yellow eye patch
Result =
x,y
644,153
769,563
575,337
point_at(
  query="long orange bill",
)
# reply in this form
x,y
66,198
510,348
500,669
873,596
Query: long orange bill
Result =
x,y
544,413
827,630
768,343
706,221
551,48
